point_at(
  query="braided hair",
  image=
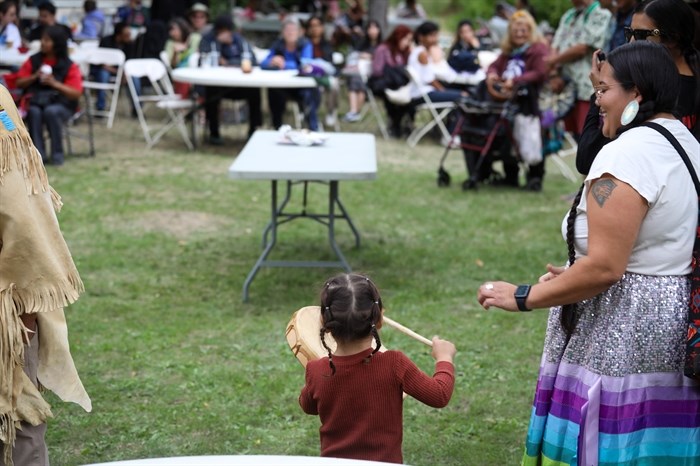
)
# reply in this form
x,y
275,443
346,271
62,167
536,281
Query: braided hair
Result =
x,y
649,68
350,310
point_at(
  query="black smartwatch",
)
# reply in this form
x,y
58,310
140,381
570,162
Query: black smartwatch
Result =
x,y
521,294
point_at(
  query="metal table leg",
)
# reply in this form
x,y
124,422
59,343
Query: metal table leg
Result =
x,y
271,227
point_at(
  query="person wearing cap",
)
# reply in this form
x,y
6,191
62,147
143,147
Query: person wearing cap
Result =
x,y
38,279
231,47
198,17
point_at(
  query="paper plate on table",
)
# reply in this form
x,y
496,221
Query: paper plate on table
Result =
x,y
302,137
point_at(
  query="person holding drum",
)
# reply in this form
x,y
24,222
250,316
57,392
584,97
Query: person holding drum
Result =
x,y
356,385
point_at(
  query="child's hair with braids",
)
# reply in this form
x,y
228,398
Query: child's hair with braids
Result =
x,y
649,68
351,308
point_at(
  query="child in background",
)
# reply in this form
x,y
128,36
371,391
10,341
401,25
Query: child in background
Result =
x,y
357,391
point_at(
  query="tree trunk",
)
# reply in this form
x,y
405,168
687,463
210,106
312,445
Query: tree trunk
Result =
x,y
378,10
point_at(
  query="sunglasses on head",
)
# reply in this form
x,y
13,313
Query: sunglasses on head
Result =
x,y
640,34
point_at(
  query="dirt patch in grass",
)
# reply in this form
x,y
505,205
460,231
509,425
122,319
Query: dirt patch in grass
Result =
x,y
179,224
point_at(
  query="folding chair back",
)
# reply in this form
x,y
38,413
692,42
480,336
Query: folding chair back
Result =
x,y
166,60
112,57
163,97
438,112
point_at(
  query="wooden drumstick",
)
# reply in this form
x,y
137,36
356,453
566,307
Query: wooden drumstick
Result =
x,y
407,331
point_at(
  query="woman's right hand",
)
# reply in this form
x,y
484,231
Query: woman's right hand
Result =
x,y
443,350
552,272
596,64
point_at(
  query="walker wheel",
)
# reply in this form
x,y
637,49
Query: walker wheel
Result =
x,y
443,179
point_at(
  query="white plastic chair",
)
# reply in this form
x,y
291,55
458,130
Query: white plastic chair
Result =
x,y
112,57
89,44
166,61
164,98
438,112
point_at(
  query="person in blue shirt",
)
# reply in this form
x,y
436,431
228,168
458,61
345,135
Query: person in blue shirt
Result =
x,y
230,47
289,52
93,22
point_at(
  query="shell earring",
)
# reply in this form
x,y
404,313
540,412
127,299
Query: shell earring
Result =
x,y
629,113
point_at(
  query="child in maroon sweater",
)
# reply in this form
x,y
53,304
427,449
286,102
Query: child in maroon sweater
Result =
x,y
356,386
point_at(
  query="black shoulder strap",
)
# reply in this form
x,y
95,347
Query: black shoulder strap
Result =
x,y
667,134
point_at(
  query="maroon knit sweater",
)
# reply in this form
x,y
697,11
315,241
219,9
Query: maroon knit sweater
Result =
x,y
361,406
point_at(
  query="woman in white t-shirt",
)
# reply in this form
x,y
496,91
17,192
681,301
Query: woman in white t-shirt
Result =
x,y
423,67
611,387
10,37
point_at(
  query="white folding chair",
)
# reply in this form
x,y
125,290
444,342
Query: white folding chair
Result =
x,y
364,68
112,57
438,112
557,158
89,44
166,61
164,98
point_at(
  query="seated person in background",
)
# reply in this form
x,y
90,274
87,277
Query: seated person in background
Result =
x,y
198,17
392,54
356,85
182,43
120,39
498,24
53,85
463,56
289,52
93,23
231,48
427,69
410,9
47,17
134,14
519,73
10,37
323,50
349,27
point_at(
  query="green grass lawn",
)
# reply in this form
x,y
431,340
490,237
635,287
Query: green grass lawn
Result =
x,y
176,364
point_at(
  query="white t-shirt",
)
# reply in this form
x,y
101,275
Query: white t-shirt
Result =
x,y
425,74
645,160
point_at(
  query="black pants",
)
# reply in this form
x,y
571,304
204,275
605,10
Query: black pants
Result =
x,y
396,115
214,95
308,99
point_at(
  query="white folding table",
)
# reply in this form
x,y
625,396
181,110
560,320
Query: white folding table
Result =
x,y
344,156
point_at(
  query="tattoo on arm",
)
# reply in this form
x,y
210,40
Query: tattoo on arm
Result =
x,y
602,190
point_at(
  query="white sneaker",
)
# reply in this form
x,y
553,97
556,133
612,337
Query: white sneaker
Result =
x,y
455,143
352,117
331,119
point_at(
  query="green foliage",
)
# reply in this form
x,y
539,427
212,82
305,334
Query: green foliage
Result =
x,y
177,365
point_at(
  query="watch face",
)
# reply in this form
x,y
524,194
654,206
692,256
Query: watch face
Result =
x,y
522,291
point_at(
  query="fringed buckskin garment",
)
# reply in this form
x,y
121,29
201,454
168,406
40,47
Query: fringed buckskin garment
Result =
x,y
37,275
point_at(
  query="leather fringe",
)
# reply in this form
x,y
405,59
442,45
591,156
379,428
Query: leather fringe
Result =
x,y
17,150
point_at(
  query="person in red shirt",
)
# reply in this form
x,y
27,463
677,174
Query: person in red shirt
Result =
x,y
53,84
356,386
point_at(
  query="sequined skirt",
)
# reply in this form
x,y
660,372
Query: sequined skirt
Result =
x,y
614,393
